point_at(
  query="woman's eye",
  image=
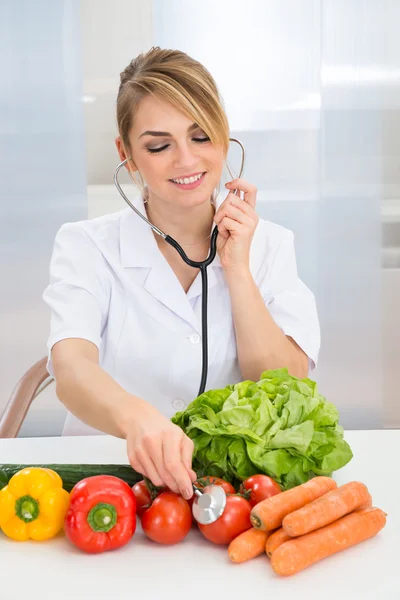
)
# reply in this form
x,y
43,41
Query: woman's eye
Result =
x,y
154,150
199,140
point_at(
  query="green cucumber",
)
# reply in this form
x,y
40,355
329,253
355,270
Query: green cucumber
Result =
x,y
71,474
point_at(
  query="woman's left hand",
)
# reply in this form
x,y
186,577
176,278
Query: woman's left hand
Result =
x,y
236,220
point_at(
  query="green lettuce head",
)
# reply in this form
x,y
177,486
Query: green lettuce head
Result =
x,y
280,426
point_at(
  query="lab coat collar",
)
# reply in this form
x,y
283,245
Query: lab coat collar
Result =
x,y
138,246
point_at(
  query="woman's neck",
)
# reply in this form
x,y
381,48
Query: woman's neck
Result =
x,y
189,227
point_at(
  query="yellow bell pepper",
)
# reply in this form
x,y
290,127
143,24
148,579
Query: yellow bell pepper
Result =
x,y
33,505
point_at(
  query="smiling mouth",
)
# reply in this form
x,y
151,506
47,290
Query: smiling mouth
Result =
x,y
189,183
187,180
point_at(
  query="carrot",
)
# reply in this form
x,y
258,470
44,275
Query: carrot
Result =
x,y
269,513
326,509
247,545
276,539
302,552
367,503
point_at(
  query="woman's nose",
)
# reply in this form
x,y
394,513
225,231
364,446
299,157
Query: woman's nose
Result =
x,y
185,157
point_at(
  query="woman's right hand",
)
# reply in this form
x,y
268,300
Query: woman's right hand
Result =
x,y
161,451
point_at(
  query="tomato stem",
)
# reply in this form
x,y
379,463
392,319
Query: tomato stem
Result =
x,y
203,481
245,494
153,489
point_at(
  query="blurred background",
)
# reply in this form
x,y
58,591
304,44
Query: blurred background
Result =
x,y
311,88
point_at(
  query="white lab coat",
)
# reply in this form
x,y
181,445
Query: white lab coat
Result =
x,y
110,284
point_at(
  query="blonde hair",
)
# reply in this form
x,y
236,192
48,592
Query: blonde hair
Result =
x,y
185,83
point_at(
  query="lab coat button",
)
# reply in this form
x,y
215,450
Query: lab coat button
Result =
x,y
178,404
194,338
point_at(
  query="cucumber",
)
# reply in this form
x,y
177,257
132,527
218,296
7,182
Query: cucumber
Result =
x,y
71,474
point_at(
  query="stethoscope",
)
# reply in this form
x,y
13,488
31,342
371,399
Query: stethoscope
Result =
x,y
209,503
202,265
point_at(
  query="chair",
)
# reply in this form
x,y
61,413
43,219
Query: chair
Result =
x,y
27,389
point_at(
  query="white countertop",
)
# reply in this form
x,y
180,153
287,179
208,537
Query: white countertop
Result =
x,y
197,569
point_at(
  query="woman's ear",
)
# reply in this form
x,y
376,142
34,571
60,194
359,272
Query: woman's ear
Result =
x,y
123,155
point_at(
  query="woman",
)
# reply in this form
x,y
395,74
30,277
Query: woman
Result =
x,y
125,341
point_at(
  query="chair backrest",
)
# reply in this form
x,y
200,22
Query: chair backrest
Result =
x,y
28,387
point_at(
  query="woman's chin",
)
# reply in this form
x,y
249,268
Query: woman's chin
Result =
x,y
193,198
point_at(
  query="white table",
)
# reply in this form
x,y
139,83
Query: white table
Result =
x,y
197,569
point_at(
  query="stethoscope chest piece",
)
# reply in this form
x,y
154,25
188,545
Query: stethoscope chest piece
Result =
x,y
209,504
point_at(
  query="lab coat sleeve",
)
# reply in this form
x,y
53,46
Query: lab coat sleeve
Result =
x,y
290,302
77,292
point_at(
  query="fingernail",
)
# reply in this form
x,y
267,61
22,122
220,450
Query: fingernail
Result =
x,y
187,494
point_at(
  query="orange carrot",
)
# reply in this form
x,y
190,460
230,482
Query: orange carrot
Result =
x,y
326,509
276,539
269,513
367,503
247,545
302,552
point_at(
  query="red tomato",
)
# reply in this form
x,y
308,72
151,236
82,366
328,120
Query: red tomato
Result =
x,y
261,486
142,495
168,520
234,520
211,480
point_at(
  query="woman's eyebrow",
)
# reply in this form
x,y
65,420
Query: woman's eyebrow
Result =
x,y
165,133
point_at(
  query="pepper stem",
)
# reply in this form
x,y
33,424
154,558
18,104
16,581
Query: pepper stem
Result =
x,y
27,509
102,517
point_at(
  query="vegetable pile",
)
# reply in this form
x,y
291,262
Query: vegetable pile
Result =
x,y
294,528
302,526
272,445
281,426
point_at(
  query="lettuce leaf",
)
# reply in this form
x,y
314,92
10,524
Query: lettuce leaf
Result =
x,y
281,426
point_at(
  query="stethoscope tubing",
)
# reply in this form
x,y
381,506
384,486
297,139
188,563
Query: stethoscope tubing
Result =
x,y
202,265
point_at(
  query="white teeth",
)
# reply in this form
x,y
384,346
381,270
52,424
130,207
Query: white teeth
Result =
x,y
187,180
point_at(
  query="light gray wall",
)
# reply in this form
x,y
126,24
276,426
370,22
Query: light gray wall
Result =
x,y
42,174
64,60
113,33
312,89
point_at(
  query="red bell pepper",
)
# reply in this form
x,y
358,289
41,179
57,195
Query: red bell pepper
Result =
x,y
101,514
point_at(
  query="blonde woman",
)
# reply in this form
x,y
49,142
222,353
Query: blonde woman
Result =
x,y
125,339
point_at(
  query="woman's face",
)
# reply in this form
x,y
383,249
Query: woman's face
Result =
x,y
167,146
